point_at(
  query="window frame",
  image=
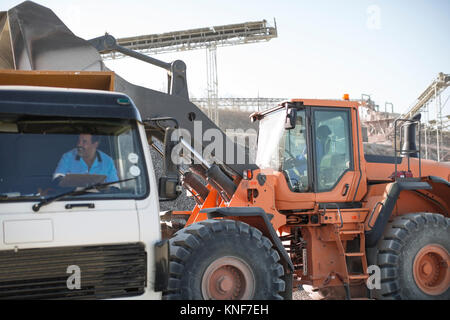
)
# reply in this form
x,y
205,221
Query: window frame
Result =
x,y
309,163
312,131
134,125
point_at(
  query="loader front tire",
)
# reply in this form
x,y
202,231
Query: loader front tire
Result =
x,y
223,260
413,256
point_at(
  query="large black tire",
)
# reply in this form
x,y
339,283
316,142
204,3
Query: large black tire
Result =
x,y
398,252
203,252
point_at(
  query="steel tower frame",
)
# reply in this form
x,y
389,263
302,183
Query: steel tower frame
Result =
x,y
201,38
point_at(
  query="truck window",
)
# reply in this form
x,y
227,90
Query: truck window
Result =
x,y
44,157
332,147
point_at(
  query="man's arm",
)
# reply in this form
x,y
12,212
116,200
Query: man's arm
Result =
x,y
111,174
62,167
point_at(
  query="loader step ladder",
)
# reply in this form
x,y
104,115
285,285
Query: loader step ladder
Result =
x,y
347,276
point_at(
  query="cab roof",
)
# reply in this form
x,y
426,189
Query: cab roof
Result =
x,y
308,103
66,102
328,103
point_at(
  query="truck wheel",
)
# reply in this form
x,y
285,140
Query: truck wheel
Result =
x,y
413,256
221,260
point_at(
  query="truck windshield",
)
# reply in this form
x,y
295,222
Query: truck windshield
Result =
x,y
40,158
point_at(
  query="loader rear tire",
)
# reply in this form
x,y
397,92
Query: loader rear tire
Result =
x,y
413,256
223,259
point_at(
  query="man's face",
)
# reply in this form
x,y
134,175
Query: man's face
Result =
x,y
85,146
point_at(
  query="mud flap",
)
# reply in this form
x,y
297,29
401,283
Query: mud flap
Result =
x,y
161,259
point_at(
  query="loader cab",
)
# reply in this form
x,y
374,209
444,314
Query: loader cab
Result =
x,y
316,154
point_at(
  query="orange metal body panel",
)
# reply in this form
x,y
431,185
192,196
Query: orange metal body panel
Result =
x,y
212,201
407,202
182,212
382,171
323,258
328,103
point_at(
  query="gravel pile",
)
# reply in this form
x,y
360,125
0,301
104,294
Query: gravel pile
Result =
x,y
182,203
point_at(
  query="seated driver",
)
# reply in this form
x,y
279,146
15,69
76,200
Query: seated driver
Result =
x,y
296,164
86,159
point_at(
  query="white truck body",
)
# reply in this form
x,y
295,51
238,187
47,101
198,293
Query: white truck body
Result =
x,y
110,223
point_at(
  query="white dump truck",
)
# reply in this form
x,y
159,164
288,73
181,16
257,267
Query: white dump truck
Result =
x,y
72,226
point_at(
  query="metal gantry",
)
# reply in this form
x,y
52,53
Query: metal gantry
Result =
x,y
241,104
432,94
434,124
202,38
212,83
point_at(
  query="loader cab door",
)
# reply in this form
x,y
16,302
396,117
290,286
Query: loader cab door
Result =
x,y
316,156
332,153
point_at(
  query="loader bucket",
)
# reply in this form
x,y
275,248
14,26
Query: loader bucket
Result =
x,y
39,40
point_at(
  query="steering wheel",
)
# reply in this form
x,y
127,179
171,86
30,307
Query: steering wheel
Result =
x,y
293,162
296,180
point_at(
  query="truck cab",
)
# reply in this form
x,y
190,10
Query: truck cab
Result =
x,y
70,227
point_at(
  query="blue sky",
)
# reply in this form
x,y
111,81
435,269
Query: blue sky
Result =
x,y
389,49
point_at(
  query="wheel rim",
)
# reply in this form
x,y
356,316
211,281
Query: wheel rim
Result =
x,y
431,271
228,278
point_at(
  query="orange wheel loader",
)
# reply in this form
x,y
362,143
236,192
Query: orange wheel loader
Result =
x,y
318,212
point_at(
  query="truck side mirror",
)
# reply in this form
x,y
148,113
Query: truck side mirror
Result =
x,y
291,118
169,188
169,184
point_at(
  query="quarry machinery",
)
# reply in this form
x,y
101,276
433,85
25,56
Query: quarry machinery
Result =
x,y
352,225
312,210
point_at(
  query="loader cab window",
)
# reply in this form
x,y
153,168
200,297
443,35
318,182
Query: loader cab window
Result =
x,y
285,150
332,147
294,155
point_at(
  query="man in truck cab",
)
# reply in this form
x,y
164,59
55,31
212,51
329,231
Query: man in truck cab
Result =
x,y
86,159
